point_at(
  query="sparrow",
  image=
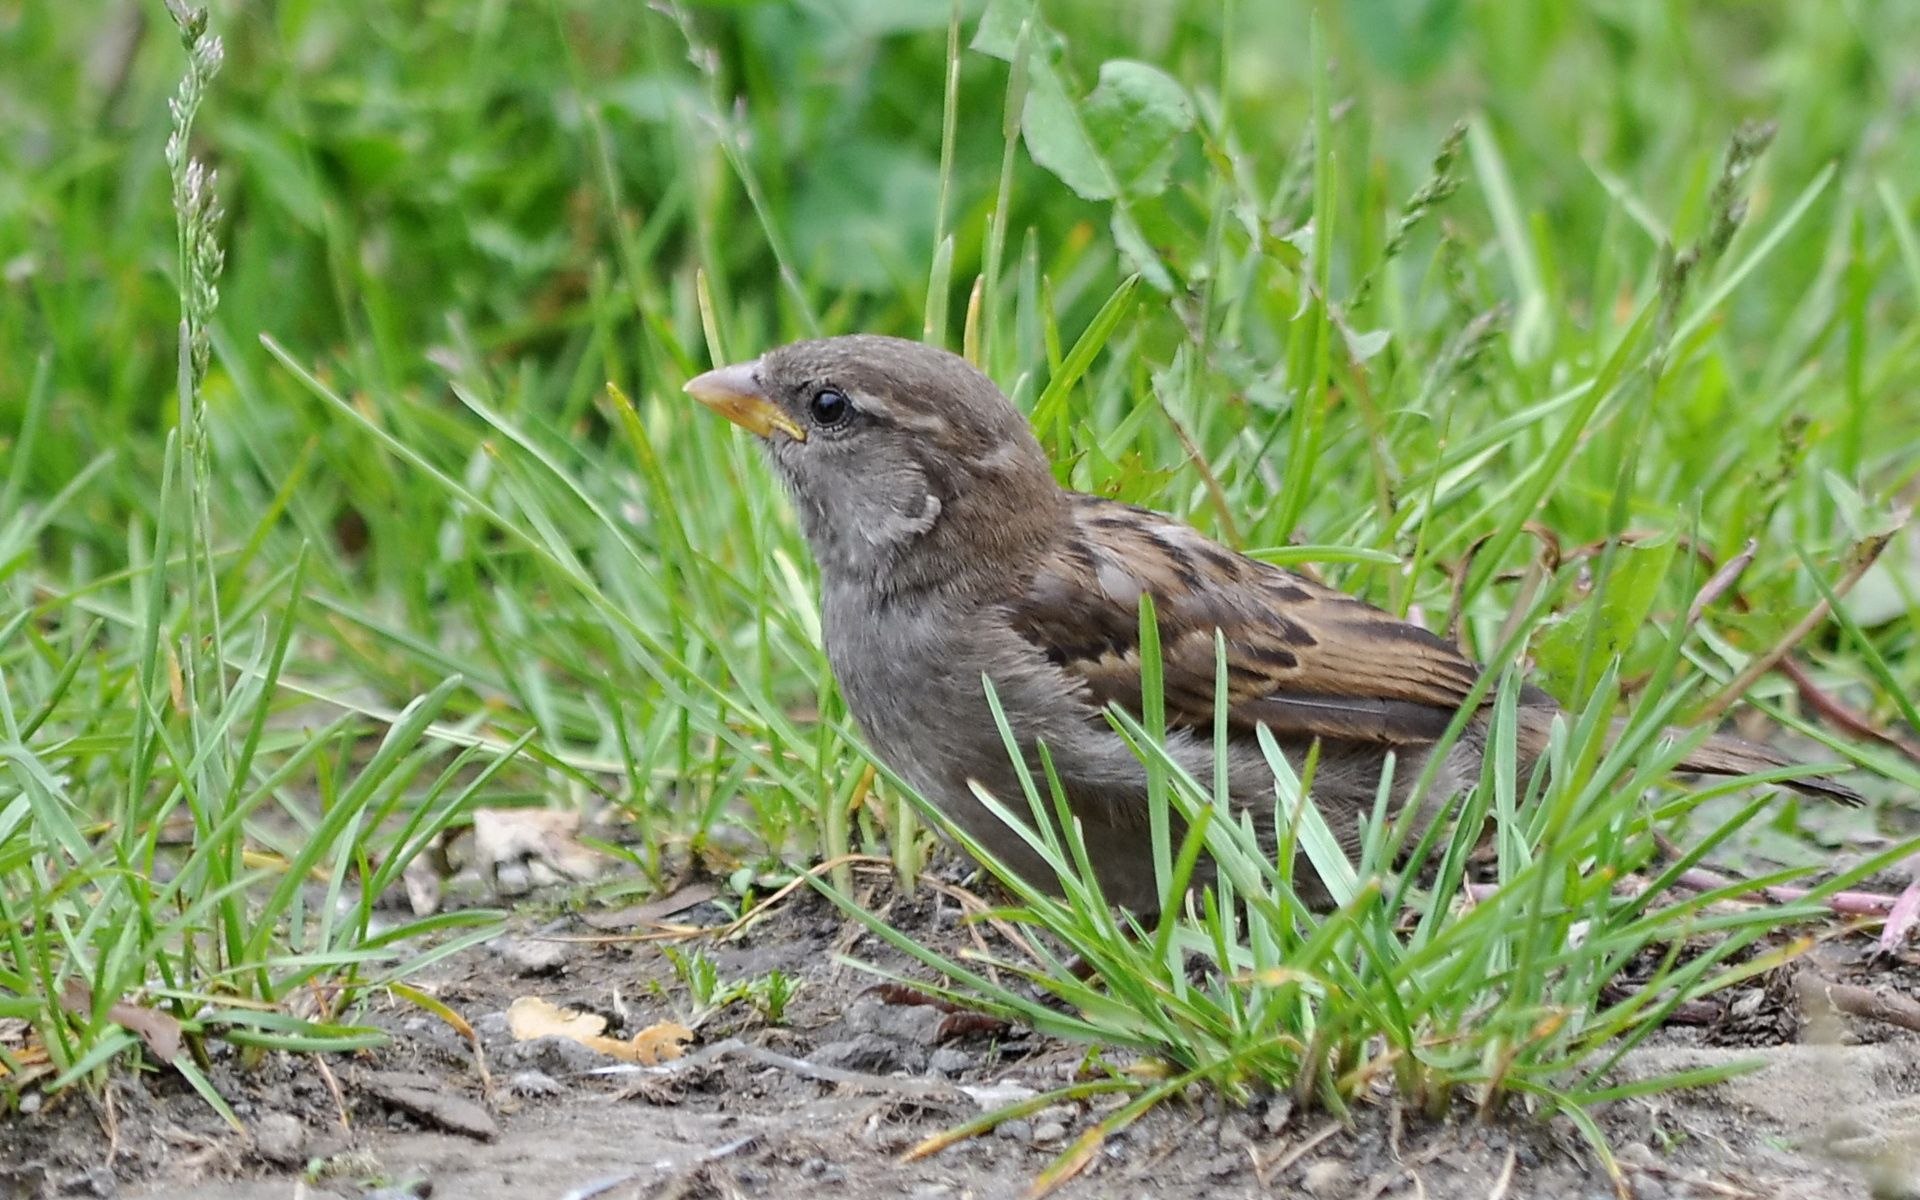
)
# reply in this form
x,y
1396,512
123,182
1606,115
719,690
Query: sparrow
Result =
x,y
949,555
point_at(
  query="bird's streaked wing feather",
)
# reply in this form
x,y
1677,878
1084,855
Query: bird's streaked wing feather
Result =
x,y
1301,658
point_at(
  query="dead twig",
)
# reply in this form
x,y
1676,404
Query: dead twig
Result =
x,y
1266,1171
1824,704
112,1123
1905,915
923,1090
601,1186
333,1089
668,933
1856,1001
1721,582
1863,557
1837,712
1505,1180
1847,904
650,913
974,906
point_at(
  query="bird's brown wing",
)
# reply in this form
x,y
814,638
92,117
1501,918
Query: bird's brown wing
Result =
x,y
1301,658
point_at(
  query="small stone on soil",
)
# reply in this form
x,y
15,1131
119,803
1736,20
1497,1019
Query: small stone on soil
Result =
x,y
493,1026
1019,1129
949,1061
1232,1135
532,956
998,1095
558,1056
512,879
534,1083
915,1024
280,1138
1048,1132
426,1099
1328,1177
868,1052
1061,1113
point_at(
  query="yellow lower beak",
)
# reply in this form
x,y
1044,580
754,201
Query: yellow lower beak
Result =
x,y
734,392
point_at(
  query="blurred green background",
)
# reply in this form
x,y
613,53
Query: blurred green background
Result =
x,y
1336,340
394,173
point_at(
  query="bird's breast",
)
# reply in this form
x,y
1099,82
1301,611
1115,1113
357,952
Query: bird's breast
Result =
x,y
911,675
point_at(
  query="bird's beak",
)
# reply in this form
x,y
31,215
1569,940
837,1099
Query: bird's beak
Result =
x,y
734,392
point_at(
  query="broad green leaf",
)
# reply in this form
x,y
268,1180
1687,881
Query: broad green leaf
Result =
x,y
1058,140
999,31
1135,115
1605,630
1119,141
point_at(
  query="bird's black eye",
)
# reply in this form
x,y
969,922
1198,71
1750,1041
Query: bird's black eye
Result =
x,y
830,407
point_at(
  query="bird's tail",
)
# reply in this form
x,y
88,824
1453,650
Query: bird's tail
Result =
x,y
1722,754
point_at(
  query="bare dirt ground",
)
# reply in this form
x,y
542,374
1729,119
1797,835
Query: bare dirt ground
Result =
x,y
827,1101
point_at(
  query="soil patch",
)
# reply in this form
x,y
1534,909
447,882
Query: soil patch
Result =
x,y
858,1072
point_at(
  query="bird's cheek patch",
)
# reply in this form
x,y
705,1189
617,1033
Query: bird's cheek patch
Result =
x,y
928,513
901,525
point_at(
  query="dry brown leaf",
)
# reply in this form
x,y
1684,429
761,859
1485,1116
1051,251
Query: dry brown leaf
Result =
x,y
176,683
652,911
158,1030
660,1043
33,1062
532,1017
538,837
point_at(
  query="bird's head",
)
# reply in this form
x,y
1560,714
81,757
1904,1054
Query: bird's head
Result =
x,y
907,466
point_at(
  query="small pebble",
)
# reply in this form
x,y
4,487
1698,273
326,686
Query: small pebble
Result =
x,y
917,1024
1329,1177
1048,1132
1647,1186
280,1138
556,1056
1635,1154
534,1083
866,1052
1220,1166
949,1061
512,879
886,1138
1019,1129
532,956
